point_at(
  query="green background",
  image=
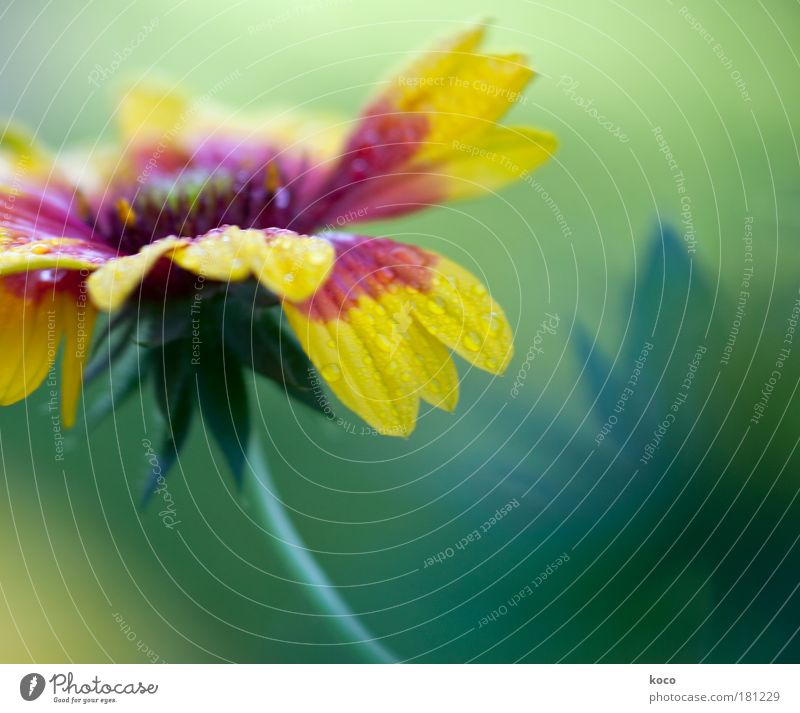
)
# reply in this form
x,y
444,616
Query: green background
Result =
x,y
690,557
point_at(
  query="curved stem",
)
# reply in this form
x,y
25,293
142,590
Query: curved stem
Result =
x,y
300,560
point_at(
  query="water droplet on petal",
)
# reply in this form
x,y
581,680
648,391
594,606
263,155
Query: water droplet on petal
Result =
x,y
331,372
472,341
436,305
479,289
492,323
317,256
384,342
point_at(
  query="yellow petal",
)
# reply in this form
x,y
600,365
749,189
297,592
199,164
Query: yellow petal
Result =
x,y
23,151
113,282
347,361
42,255
294,266
222,256
440,387
409,85
460,92
488,86
30,338
290,265
422,359
494,159
460,313
152,109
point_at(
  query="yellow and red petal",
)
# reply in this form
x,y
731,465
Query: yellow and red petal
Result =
x,y
378,328
431,135
290,265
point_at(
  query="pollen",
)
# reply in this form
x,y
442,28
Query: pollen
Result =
x,y
40,249
126,214
272,178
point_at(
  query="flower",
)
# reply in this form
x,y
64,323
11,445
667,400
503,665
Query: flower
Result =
x,y
190,195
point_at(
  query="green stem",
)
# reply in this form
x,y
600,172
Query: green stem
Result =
x,y
300,560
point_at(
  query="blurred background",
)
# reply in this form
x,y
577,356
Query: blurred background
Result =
x,y
643,464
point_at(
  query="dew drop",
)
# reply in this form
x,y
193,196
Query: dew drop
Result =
x,y
317,257
331,372
472,341
492,323
436,305
384,342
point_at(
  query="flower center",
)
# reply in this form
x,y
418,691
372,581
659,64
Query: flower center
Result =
x,y
192,203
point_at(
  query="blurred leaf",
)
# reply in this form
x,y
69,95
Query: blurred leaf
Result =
x,y
260,340
124,380
224,403
174,392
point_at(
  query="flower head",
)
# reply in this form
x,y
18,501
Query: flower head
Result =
x,y
246,210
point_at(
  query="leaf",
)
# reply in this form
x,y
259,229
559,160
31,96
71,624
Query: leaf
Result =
x,y
174,392
112,344
165,323
260,340
126,376
224,404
